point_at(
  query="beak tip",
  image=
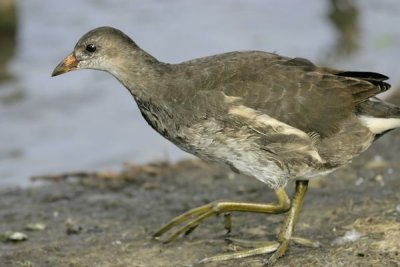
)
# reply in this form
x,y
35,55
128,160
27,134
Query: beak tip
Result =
x,y
69,63
57,72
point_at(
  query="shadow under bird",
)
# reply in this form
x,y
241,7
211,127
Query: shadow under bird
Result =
x,y
274,118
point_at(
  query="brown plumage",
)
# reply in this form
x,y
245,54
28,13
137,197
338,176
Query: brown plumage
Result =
x,y
275,118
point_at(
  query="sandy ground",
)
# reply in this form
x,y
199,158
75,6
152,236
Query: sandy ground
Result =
x,y
108,219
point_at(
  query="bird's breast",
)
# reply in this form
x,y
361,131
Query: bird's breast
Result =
x,y
158,117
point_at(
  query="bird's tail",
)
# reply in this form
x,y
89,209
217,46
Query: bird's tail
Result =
x,y
379,116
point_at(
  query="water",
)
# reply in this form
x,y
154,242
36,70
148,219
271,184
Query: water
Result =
x,y
87,121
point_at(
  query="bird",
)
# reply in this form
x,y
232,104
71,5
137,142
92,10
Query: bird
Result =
x,y
275,118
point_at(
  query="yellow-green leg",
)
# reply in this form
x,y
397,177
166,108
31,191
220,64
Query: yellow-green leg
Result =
x,y
284,237
189,220
289,223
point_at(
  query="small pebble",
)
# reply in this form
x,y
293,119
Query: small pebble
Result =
x,y
398,208
116,243
35,226
359,181
17,236
74,229
379,179
349,236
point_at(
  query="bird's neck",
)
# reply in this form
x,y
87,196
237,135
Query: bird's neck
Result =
x,y
141,74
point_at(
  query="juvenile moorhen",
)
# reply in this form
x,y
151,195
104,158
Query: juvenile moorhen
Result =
x,y
274,118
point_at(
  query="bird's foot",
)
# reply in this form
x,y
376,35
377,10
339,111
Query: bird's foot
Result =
x,y
189,220
278,249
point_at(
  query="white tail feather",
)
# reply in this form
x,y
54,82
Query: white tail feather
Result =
x,y
379,125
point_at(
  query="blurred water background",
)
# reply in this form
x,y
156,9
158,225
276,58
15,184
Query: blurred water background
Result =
x,y
87,121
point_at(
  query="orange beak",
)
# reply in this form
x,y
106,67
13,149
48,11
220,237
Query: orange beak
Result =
x,y
68,64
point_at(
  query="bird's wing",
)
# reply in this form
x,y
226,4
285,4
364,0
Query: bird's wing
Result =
x,y
302,95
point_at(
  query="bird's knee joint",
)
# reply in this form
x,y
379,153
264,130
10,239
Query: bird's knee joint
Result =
x,y
285,206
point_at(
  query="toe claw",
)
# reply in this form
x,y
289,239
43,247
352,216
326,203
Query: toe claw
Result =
x,y
191,230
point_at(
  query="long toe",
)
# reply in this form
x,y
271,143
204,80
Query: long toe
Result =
x,y
242,254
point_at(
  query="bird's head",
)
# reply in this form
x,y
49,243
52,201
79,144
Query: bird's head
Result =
x,y
99,49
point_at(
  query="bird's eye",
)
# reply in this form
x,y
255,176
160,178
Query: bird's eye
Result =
x,y
91,48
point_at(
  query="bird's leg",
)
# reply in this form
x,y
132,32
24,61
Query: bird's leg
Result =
x,y
189,220
284,237
289,223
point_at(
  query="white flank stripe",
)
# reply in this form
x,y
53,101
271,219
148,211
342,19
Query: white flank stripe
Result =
x,y
379,125
279,126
